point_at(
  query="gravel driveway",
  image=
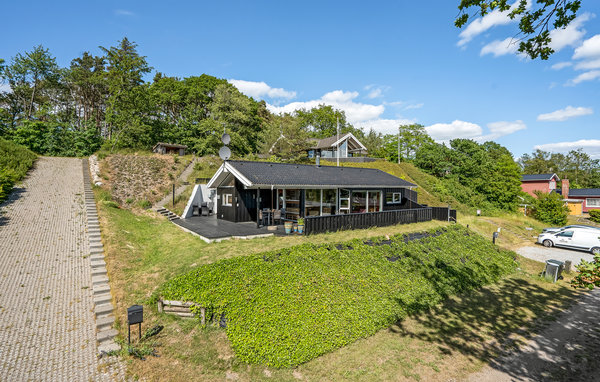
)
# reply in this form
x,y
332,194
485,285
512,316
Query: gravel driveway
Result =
x,y
541,253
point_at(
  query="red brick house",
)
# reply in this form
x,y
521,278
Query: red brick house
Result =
x,y
539,182
590,197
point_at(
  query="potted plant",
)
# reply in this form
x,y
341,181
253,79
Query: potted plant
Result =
x,y
300,225
288,226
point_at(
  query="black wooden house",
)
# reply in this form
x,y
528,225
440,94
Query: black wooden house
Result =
x,y
244,188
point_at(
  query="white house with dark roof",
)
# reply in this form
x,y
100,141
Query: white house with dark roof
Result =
x,y
244,188
349,146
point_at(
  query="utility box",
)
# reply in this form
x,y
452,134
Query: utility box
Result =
x,y
553,270
135,314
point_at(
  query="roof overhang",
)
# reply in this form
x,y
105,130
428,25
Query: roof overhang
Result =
x,y
346,136
222,174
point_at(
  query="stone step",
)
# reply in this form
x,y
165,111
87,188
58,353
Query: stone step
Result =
x,y
97,280
98,263
96,256
104,298
100,271
105,323
100,289
103,310
108,347
106,335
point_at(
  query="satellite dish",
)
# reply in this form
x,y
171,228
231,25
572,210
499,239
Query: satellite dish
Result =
x,y
225,138
225,152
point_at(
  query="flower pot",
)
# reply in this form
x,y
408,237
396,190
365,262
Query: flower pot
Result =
x,y
295,227
300,228
288,227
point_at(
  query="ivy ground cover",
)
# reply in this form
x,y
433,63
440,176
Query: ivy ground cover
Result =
x,y
289,306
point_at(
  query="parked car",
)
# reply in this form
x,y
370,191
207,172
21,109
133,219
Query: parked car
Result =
x,y
575,238
557,229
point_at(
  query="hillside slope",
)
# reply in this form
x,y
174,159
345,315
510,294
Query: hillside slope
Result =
x,y
15,161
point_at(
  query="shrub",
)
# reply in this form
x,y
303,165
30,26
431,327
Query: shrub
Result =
x,y
15,161
144,204
289,306
589,274
595,216
550,208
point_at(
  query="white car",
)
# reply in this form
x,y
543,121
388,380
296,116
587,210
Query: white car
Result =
x,y
557,229
584,239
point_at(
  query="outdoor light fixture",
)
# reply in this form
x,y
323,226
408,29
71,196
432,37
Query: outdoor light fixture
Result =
x,y
135,315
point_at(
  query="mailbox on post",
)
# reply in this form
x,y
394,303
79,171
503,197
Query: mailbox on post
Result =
x,y
135,315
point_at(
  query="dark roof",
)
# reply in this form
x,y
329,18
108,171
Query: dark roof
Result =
x,y
327,143
284,174
171,145
584,192
538,177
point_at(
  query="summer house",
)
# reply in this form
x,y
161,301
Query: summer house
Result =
x,y
244,189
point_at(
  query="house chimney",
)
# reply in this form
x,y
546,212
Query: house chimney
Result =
x,y
565,188
318,160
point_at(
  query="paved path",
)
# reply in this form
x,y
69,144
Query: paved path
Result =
x,y
47,330
541,254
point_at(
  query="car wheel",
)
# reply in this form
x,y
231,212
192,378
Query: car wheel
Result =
x,y
547,243
595,251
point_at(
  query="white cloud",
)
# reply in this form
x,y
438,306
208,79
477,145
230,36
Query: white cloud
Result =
x,y
589,49
261,89
587,65
587,76
502,128
456,129
414,106
590,146
123,12
571,35
385,126
561,65
566,113
376,91
356,112
500,48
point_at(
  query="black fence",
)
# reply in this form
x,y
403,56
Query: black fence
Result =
x,y
332,223
443,213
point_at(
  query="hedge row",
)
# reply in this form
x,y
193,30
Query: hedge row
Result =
x,y
15,161
289,306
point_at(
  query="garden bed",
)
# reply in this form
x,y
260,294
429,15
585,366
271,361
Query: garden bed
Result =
x,y
289,306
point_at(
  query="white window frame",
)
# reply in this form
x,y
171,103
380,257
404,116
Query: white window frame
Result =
x,y
227,200
396,197
596,203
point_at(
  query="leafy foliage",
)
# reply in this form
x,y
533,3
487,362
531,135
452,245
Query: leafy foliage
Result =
x,y
288,306
15,161
550,208
534,21
589,274
576,165
595,215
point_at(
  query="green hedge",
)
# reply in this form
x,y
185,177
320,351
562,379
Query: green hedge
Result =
x,y
289,306
595,215
15,161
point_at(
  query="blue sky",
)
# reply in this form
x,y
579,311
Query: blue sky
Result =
x,y
384,63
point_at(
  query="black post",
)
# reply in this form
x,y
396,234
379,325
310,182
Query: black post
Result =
x,y
257,207
129,334
139,332
173,194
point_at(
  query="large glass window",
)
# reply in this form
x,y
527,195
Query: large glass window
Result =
x,y
329,202
344,149
312,203
374,200
359,202
592,203
292,203
344,201
393,197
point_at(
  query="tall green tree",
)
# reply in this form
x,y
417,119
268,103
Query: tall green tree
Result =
x,y
410,138
284,137
322,121
87,82
127,103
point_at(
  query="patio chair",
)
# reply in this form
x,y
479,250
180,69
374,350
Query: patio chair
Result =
x,y
277,216
204,209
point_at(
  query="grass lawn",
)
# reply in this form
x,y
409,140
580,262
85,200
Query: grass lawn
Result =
x,y
456,338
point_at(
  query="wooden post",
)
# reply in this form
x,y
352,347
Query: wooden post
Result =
x,y
173,194
160,306
203,316
257,207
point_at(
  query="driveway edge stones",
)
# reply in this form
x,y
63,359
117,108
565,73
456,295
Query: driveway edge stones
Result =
x,y
103,307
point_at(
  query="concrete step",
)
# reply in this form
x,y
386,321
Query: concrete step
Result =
x,y
97,280
103,298
106,335
107,347
100,271
98,263
105,323
100,289
103,310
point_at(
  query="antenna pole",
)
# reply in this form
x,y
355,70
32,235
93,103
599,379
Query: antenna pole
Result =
x,y
338,140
